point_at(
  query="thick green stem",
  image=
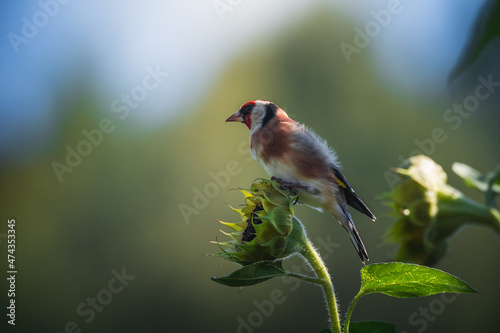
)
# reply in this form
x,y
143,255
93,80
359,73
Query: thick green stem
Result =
x,y
314,259
456,209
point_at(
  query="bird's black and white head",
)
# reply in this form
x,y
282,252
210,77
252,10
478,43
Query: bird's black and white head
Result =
x,y
255,114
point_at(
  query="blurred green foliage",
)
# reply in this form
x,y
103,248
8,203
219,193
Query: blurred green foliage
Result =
x,y
120,206
430,211
486,29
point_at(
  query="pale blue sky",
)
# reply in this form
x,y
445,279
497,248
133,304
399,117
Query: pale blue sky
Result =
x,y
112,42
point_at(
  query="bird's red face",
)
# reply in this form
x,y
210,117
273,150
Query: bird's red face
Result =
x,y
244,114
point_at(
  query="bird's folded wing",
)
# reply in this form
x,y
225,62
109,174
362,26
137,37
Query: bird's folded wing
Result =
x,y
351,197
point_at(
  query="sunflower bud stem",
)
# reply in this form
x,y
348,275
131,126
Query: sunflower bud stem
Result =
x,y
455,211
323,279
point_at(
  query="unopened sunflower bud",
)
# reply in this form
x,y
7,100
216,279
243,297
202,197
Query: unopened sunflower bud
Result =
x,y
429,211
263,234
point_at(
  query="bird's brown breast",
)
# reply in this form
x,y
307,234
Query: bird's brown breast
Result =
x,y
272,141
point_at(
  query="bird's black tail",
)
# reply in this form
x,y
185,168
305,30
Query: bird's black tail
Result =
x,y
348,225
357,242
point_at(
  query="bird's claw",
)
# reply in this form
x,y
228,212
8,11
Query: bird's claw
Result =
x,y
291,186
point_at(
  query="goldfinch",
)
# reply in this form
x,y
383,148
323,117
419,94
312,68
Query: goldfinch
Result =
x,y
299,159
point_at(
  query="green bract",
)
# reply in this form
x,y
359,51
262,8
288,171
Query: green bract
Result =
x,y
263,234
415,202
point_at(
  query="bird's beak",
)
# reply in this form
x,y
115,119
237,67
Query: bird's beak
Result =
x,y
235,117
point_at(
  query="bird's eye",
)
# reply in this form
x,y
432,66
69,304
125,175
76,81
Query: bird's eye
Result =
x,y
246,109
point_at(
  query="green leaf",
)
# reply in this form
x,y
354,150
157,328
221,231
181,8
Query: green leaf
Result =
x,y
471,176
409,280
487,28
368,327
474,178
372,327
403,280
252,274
